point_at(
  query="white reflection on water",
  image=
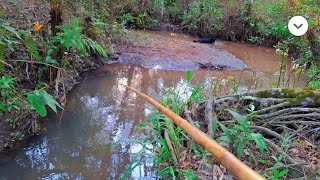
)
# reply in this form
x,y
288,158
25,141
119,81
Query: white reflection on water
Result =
x,y
38,155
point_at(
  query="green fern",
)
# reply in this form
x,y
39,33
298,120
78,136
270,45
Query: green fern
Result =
x,y
7,35
10,29
97,48
72,36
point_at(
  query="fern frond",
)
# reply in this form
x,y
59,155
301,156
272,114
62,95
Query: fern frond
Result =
x,y
11,30
96,47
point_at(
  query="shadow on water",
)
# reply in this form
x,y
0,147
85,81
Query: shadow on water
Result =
x,y
94,139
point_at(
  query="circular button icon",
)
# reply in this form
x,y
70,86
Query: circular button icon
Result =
x,y
298,25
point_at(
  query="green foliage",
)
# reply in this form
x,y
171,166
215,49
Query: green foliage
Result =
x,y
196,95
189,175
280,169
91,44
107,32
39,98
189,75
160,122
9,97
133,21
31,44
277,175
137,160
7,42
71,35
254,40
169,170
10,29
11,122
203,16
240,134
314,76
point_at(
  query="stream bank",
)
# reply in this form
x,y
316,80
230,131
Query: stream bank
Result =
x,y
101,117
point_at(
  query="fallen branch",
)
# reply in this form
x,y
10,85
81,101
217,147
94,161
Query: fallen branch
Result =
x,y
209,115
227,159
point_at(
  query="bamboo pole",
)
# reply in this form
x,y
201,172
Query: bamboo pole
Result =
x,y
226,158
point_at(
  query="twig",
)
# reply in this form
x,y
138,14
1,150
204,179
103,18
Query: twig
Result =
x,y
296,132
27,71
226,99
288,165
36,62
187,113
316,129
65,96
169,143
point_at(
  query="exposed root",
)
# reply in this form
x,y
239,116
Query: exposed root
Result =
x,y
268,132
274,107
294,113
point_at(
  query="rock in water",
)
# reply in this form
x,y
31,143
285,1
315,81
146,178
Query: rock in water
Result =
x,y
205,40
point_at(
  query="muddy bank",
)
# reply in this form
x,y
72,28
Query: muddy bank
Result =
x,y
171,51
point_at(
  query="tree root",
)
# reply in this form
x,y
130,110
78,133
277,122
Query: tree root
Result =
x,y
268,132
275,107
277,112
290,110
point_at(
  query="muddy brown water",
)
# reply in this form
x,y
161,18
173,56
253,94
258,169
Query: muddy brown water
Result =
x,y
97,134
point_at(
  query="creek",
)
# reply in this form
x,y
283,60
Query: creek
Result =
x,y
95,138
